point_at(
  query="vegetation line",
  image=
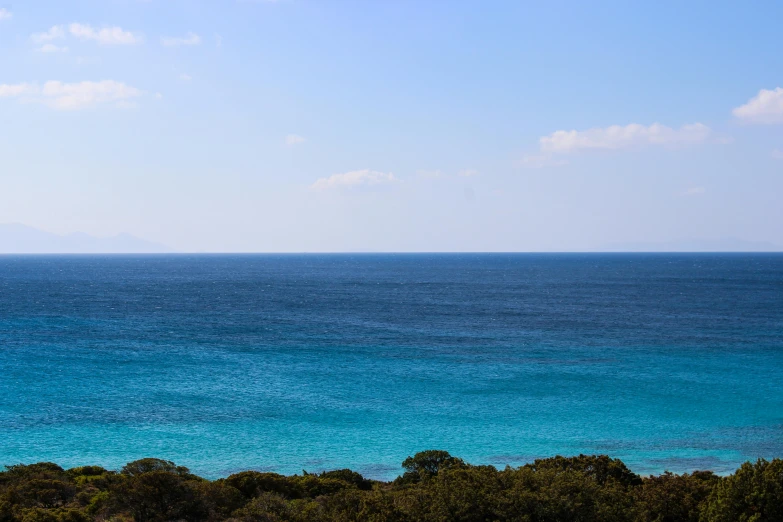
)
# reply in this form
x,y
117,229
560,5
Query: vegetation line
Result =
x,y
435,486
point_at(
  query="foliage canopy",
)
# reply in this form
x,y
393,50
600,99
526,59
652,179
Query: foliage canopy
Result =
x,y
435,486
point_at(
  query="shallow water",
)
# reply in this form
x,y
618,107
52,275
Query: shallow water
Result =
x,y
287,362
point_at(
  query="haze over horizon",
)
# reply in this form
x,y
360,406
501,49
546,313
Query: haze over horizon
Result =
x,y
16,238
296,125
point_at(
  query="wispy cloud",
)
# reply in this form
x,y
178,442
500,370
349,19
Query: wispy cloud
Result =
x,y
432,173
620,137
294,139
51,48
14,90
614,137
766,108
5,14
467,173
73,96
82,95
55,33
356,178
105,35
777,154
176,41
185,77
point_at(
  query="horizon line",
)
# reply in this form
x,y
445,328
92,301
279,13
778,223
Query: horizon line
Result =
x,y
390,252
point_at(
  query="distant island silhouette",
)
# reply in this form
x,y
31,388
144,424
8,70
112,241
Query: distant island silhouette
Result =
x,y
16,238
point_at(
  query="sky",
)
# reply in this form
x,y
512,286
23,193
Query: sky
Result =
x,y
331,125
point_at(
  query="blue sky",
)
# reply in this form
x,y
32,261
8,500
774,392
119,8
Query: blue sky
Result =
x,y
302,125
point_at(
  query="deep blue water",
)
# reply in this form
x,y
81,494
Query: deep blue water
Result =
x,y
285,362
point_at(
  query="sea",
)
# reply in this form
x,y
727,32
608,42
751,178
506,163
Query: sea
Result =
x,y
286,363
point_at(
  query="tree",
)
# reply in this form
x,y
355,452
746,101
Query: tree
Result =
x,y
674,498
426,464
598,467
253,483
754,493
159,496
137,467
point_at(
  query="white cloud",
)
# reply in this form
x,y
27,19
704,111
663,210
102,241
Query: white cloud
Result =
x,y
104,36
694,191
294,139
189,39
619,137
614,137
777,154
185,77
5,14
82,95
56,32
765,107
51,48
356,178
468,173
74,96
18,89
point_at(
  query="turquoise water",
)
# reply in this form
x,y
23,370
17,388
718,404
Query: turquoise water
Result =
x,y
285,363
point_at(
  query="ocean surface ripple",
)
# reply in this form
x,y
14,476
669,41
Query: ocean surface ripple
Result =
x,y
291,362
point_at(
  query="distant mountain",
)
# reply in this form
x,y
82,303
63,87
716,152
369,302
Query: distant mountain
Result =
x,y
20,239
695,245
